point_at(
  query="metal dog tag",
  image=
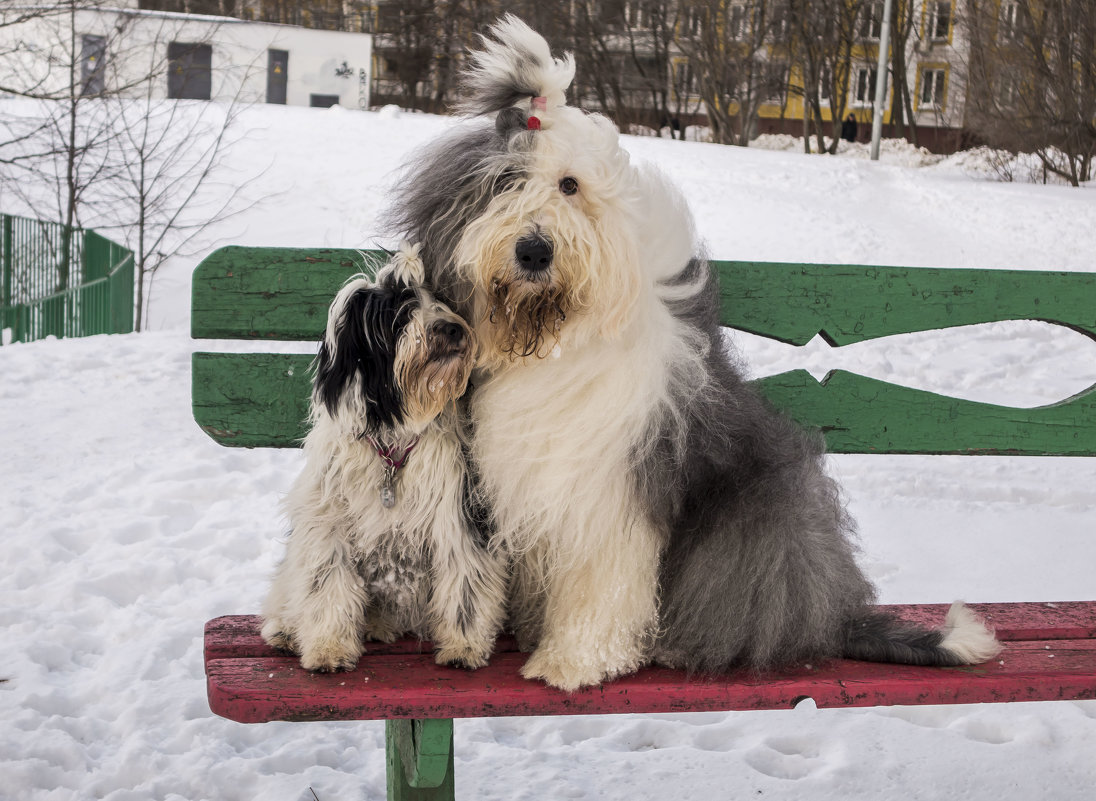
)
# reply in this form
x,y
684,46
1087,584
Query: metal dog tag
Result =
x,y
388,488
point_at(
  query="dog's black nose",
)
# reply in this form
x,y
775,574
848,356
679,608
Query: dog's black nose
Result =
x,y
534,253
450,333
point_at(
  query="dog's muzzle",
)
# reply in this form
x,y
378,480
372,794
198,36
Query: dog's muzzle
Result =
x,y
533,253
449,337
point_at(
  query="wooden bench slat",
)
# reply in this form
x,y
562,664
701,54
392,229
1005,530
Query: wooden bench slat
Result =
x,y
270,293
237,636
852,303
249,682
283,294
261,400
252,400
412,686
864,415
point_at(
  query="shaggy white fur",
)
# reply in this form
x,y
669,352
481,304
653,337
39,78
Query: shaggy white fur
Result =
x,y
557,432
357,568
654,507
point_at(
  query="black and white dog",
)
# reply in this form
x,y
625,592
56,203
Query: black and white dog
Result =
x,y
655,507
382,538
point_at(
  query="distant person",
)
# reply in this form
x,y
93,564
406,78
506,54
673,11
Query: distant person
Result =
x,y
848,128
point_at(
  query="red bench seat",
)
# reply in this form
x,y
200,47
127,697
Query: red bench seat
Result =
x,y
1050,654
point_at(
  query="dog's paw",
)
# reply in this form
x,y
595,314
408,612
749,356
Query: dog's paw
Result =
x,y
461,656
330,658
379,632
281,641
278,636
527,639
562,673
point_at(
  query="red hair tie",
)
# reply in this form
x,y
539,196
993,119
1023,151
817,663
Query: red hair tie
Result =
x,y
539,104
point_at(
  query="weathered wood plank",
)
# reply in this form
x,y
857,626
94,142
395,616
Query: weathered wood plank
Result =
x,y
1050,655
283,293
863,415
409,686
252,400
419,755
261,400
237,636
270,293
852,303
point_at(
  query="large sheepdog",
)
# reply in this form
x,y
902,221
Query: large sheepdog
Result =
x,y
654,507
384,539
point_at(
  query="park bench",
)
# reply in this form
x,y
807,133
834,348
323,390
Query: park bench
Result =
x,y
261,400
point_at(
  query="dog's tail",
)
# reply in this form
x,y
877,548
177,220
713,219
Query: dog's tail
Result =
x,y
963,639
514,66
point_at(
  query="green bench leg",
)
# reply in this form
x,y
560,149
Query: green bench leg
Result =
x,y
420,760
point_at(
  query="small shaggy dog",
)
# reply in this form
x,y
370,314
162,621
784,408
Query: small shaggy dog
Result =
x,y
382,540
654,506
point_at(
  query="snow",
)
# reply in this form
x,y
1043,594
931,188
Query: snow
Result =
x,y
125,528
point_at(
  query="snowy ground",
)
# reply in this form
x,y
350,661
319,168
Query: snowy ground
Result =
x,y
126,528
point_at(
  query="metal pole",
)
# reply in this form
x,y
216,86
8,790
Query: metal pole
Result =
x,y
7,236
881,81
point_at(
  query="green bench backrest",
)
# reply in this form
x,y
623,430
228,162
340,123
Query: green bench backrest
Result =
x,y
261,399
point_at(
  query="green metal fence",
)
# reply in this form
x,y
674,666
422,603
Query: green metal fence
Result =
x,y
60,281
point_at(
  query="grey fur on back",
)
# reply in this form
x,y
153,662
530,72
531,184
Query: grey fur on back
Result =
x,y
760,568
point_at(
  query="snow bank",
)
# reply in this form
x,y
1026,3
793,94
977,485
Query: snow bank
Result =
x,y
125,528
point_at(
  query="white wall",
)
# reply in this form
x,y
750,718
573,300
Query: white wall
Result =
x,y
314,58
37,55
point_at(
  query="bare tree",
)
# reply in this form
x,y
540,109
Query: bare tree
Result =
x,y
59,148
825,33
600,80
737,49
904,21
168,180
1032,74
105,148
407,39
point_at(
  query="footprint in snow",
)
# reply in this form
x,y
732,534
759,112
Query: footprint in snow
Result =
x,y
786,758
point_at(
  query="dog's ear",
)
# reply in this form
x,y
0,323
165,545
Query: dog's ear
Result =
x,y
361,343
514,66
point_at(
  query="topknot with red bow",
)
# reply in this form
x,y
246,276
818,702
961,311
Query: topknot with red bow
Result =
x,y
513,65
538,104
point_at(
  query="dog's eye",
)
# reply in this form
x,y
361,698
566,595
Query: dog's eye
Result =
x,y
568,185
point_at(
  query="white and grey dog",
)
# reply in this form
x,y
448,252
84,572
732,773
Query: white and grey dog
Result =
x,y
383,540
654,506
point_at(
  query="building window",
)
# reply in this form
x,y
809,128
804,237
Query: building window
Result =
x,y
825,81
1007,90
638,15
781,20
694,21
736,23
864,88
774,78
93,53
1010,16
190,75
684,78
932,88
871,23
277,75
323,101
939,20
